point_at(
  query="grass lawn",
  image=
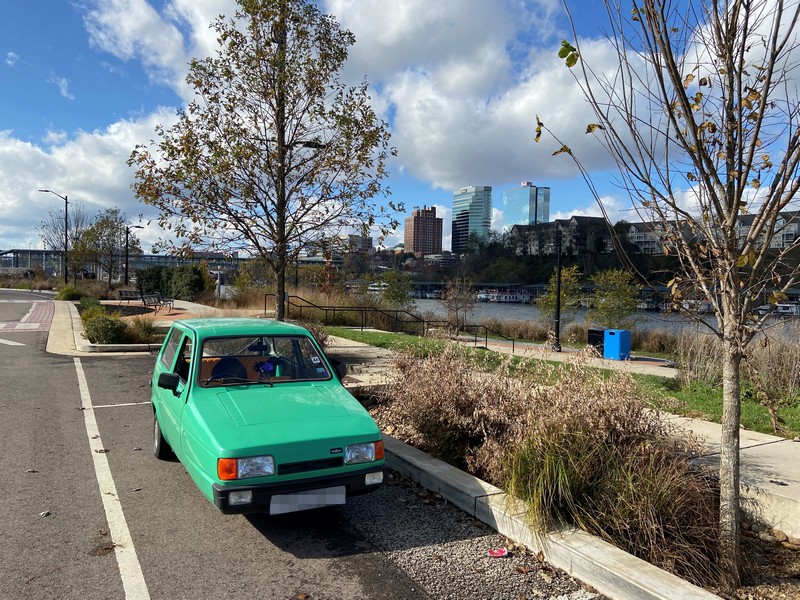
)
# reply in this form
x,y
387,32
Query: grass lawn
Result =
x,y
699,401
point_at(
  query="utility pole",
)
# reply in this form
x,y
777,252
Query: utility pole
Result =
x,y
557,336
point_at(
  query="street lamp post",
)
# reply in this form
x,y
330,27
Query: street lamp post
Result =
x,y
557,332
127,233
66,231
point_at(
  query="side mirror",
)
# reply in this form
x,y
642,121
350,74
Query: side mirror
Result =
x,y
169,381
341,370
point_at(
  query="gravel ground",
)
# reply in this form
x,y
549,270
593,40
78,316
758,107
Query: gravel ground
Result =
x,y
445,550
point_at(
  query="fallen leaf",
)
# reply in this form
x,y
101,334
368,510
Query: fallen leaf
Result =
x,y
102,451
540,556
545,577
31,471
137,489
137,449
45,513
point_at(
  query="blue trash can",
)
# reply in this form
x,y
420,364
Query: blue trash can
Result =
x,y
617,344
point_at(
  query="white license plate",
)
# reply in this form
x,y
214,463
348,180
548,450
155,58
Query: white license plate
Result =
x,y
286,503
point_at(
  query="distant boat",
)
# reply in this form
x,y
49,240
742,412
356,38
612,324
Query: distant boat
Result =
x,y
698,306
377,288
782,309
511,297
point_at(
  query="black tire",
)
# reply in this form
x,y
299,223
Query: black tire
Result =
x,y
161,448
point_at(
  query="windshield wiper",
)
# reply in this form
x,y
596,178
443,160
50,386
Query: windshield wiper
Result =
x,y
226,379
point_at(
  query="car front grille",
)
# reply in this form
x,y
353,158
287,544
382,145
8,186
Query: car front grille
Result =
x,y
310,465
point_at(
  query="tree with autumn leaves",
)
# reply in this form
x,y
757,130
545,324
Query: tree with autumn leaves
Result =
x,y
275,154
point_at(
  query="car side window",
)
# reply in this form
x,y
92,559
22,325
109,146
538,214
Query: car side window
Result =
x,y
170,349
184,363
311,364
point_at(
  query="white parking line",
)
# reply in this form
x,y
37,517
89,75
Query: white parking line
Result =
x,y
118,405
129,568
10,343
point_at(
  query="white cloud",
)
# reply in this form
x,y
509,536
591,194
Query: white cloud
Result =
x,y
53,138
463,82
89,168
133,29
12,58
63,86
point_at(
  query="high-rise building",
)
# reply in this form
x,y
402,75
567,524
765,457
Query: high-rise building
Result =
x,y
525,205
423,232
472,213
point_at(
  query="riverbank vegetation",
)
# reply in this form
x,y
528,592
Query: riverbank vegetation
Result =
x,y
695,393
586,451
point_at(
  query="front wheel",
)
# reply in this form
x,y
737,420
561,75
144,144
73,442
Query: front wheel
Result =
x,y
161,449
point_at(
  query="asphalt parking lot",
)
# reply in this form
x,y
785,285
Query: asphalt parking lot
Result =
x,y
79,470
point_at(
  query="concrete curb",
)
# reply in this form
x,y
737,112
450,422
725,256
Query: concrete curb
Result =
x,y
611,571
84,345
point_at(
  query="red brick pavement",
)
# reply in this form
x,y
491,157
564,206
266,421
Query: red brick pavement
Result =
x,y
38,318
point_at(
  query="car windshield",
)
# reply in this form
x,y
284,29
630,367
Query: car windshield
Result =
x,y
243,360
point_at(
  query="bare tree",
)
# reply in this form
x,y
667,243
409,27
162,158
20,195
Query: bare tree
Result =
x,y
459,299
701,116
275,154
103,243
51,231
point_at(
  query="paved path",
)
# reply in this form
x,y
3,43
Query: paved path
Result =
x,y
39,317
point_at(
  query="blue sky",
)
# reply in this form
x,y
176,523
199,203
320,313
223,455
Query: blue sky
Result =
x,y
460,81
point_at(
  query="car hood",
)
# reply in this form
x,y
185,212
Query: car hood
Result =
x,y
259,405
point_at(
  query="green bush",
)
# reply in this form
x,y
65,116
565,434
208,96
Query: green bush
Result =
x,y
106,329
93,312
142,329
89,302
68,292
154,279
187,282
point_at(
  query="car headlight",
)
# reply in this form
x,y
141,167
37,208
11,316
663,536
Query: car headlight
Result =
x,y
243,468
362,453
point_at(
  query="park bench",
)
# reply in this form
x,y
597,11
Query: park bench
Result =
x,y
157,301
129,295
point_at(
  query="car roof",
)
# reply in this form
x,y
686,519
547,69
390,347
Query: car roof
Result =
x,y
232,326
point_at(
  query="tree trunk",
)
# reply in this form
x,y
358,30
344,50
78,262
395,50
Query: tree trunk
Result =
x,y
280,293
729,465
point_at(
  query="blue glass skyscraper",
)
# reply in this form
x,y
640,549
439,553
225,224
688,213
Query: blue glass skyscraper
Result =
x,y
472,213
525,205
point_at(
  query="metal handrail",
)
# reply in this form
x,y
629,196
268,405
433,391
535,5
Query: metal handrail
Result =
x,y
393,314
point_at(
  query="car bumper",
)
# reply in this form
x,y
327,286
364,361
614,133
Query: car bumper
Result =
x,y
353,482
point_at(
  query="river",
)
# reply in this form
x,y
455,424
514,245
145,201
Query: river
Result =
x,y
643,320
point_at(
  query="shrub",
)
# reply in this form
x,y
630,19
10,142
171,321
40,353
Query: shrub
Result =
x,y
586,451
654,341
89,302
187,281
68,292
772,366
142,329
154,279
520,330
106,329
700,358
92,312
574,334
